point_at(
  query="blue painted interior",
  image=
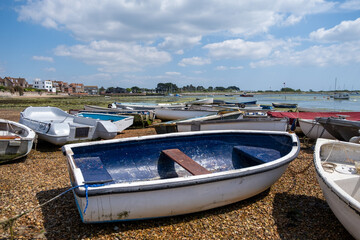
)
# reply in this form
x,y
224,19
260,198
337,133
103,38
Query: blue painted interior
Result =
x,y
140,160
100,116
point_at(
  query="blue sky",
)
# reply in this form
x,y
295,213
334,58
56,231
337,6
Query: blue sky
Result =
x,y
255,45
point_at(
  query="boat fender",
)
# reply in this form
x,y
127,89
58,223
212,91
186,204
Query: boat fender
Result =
x,y
242,105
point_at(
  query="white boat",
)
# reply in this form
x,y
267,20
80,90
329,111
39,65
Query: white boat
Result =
x,y
167,114
143,106
141,117
58,127
121,121
16,140
173,174
313,129
337,166
171,126
264,124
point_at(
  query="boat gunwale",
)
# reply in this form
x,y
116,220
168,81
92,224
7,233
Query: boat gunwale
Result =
x,y
331,185
163,184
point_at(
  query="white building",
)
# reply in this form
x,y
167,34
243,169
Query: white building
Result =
x,y
44,84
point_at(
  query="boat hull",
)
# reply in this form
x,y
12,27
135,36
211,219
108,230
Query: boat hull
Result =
x,y
137,183
265,124
340,188
176,114
16,140
341,129
314,130
175,201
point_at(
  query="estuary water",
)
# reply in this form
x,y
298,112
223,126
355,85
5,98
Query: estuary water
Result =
x,y
315,102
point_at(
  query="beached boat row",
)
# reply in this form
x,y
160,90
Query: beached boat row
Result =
x,y
199,163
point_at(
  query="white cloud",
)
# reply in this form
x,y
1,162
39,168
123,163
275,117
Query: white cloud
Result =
x,y
224,68
351,5
198,61
148,20
239,48
315,56
42,58
115,57
51,69
173,73
345,31
179,42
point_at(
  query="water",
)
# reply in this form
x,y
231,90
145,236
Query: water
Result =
x,y
312,101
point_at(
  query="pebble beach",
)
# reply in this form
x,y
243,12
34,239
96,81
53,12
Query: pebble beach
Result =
x,y
293,208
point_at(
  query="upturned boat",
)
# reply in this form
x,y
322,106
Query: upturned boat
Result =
x,y
16,140
173,174
58,127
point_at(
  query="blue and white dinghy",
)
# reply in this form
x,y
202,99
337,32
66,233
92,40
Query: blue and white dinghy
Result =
x,y
173,174
121,121
58,127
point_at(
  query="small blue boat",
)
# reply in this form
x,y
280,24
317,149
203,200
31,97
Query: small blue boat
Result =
x,y
177,173
121,121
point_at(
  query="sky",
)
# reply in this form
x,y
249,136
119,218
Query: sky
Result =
x,y
254,45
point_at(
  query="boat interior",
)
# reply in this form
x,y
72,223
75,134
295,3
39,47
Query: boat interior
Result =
x,y
163,158
340,164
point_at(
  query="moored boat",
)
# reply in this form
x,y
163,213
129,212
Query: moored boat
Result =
x,y
58,127
341,96
16,140
284,105
338,175
173,174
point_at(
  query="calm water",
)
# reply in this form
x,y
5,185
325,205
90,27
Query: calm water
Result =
x,y
313,101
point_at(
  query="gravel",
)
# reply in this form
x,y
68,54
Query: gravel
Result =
x,y
293,208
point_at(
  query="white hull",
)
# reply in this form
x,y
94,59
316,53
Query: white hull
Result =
x,y
16,140
341,190
175,201
58,127
314,130
176,114
163,197
267,124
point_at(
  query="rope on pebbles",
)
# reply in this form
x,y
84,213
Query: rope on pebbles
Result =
x,y
8,223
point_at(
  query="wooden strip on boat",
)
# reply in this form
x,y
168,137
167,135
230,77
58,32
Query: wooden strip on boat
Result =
x,y
185,161
9,137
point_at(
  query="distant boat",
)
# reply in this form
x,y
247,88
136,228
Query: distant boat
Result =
x,y
121,121
338,176
246,95
284,105
173,174
58,127
16,140
341,129
341,96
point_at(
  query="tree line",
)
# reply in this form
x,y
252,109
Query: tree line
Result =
x,y
170,88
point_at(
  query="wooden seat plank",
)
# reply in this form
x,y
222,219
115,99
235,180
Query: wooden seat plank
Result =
x,y
9,137
185,161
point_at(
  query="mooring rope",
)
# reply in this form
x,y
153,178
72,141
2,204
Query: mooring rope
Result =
x,y
9,221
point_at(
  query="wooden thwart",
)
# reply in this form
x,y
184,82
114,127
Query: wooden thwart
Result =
x,y
185,161
9,137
